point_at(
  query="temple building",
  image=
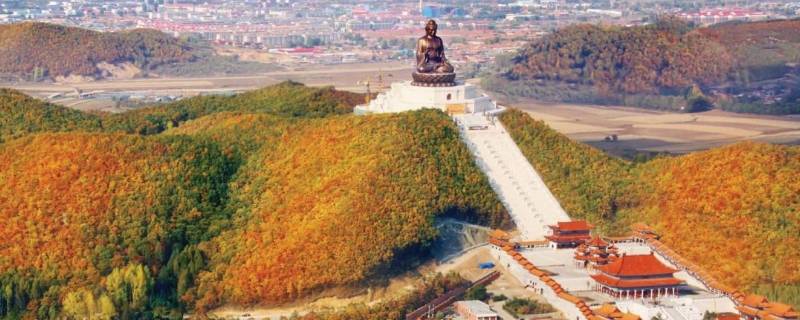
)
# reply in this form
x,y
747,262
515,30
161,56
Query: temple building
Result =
x,y
611,312
595,252
636,276
569,234
755,307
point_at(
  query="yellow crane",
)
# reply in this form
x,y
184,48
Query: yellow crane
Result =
x,y
368,97
367,84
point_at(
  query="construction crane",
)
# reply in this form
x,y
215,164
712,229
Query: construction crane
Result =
x,y
368,97
367,84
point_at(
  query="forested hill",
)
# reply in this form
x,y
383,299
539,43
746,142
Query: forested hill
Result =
x,y
759,47
260,198
629,60
34,50
721,208
280,194
289,99
21,115
746,67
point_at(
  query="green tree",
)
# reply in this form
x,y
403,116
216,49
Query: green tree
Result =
x,y
476,293
107,309
74,304
82,304
129,287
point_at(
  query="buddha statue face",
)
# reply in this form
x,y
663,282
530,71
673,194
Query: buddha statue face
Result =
x,y
430,28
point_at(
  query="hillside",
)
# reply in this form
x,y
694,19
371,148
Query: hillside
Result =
x,y
280,194
761,47
243,202
35,51
288,98
743,67
739,200
721,208
79,210
588,183
629,60
21,115
366,188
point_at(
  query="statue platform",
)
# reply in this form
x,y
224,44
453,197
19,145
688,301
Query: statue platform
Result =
x,y
454,99
434,79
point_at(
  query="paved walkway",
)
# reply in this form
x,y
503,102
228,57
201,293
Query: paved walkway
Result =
x,y
512,177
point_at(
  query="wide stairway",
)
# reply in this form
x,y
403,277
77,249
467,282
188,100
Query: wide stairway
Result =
x,y
512,177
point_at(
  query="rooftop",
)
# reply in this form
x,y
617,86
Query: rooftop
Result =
x,y
636,265
597,242
609,311
478,308
568,238
637,284
577,225
754,300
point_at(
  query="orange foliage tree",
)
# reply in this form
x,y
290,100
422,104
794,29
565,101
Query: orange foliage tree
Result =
x,y
77,206
336,201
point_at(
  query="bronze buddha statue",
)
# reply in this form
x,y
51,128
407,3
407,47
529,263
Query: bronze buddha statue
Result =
x,y
432,69
430,52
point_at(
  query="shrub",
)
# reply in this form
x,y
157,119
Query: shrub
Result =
x,y
522,306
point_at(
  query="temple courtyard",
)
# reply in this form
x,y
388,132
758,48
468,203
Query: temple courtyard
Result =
x,y
689,300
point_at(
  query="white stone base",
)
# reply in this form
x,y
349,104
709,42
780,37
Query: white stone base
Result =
x,y
403,96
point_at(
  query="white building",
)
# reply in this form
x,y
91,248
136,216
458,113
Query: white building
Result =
x,y
475,310
403,96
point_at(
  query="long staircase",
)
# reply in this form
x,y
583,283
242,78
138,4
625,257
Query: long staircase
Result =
x,y
513,178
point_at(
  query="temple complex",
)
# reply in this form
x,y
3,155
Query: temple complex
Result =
x,y
637,281
569,234
636,276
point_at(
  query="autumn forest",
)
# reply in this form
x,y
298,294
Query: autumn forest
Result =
x,y
281,193
669,65
37,51
218,200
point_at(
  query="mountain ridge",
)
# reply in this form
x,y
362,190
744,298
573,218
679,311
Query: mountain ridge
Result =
x,y
667,65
